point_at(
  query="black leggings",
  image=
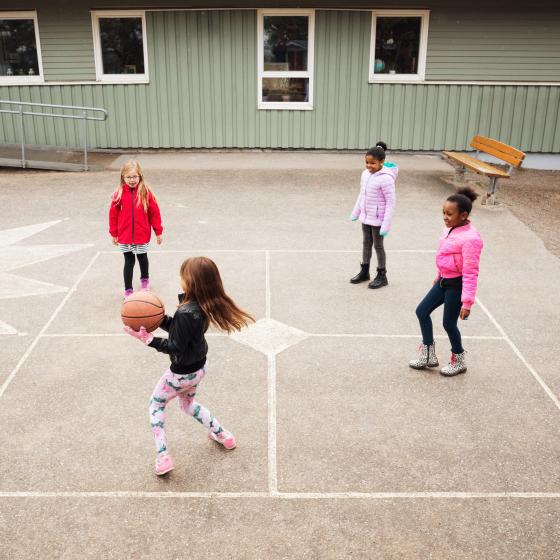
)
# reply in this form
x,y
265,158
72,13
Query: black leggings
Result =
x,y
129,267
372,237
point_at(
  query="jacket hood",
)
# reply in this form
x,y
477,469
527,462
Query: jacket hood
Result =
x,y
390,169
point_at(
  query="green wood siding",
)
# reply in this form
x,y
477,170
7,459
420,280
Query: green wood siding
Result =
x,y
66,42
203,93
499,46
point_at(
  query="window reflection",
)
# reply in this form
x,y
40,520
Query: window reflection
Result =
x,y
285,43
285,89
18,48
397,44
122,47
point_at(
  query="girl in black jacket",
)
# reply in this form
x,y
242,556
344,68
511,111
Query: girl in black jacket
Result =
x,y
204,301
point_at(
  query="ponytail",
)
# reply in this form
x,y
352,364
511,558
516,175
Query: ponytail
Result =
x,y
378,152
464,198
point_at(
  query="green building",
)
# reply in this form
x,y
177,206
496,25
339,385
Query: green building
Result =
x,y
312,74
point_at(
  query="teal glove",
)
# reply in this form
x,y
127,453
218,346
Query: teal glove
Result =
x,y
384,233
353,218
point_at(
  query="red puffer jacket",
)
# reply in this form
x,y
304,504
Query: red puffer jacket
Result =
x,y
129,222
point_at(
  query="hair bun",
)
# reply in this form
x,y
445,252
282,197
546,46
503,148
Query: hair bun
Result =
x,y
382,145
468,192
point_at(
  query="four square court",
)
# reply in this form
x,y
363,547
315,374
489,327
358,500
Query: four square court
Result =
x,y
343,451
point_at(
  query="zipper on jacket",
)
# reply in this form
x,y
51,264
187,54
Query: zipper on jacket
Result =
x,y
132,194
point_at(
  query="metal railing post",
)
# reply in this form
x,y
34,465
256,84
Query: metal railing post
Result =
x,y
17,108
85,142
22,129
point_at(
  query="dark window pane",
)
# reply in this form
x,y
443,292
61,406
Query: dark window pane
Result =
x,y
397,44
285,43
285,89
18,48
122,45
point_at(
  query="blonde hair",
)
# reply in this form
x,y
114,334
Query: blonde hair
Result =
x,y
203,284
144,190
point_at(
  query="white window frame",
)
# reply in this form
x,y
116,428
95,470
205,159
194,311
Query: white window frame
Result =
x,y
285,105
96,15
38,79
422,50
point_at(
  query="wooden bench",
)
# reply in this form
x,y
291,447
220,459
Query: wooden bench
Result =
x,y
512,156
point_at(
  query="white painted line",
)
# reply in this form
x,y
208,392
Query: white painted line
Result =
x,y
207,251
353,251
520,355
314,335
272,464
267,280
411,495
418,336
290,495
93,335
189,251
132,494
46,326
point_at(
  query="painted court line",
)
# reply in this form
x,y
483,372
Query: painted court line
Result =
x,y
209,251
271,394
418,336
518,353
47,325
311,335
93,335
290,495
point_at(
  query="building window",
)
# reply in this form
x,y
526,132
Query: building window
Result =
x,y
398,45
120,46
285,63
20,51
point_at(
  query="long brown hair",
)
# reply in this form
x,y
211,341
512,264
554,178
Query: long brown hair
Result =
x,y
203,284
144,190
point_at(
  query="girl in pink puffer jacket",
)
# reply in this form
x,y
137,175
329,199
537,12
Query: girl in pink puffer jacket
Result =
x,y
455,285
374,208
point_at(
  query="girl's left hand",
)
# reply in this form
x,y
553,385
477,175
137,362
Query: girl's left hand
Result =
x,y
384,233
159,239
464,313
143,335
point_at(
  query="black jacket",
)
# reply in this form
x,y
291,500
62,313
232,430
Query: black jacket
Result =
x,y
185,344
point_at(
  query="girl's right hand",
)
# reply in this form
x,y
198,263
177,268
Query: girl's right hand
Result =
x,y
115,240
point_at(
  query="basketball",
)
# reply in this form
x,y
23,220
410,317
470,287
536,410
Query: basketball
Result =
x,y
142,309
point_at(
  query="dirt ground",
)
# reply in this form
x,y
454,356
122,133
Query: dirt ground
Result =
x,y
534,197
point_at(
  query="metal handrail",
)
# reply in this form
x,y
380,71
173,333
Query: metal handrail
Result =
x,y
85,117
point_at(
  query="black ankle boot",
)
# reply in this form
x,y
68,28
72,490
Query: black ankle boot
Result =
x,y
362,276
380,280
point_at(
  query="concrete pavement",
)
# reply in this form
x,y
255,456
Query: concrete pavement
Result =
x,y
344,452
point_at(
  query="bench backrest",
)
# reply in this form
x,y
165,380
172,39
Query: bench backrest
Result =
x,y
497,149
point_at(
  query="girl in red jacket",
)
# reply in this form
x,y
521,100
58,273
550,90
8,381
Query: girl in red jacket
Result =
x,y
134,212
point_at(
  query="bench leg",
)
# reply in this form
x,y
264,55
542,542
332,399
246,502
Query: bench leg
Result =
x,y
460,173
491,194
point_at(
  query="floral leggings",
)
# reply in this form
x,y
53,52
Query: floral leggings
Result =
x,y
183,387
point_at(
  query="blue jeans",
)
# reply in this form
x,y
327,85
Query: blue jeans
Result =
x,y
450,298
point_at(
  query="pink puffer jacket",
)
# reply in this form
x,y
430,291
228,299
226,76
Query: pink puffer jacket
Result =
x,y
376,202
458,255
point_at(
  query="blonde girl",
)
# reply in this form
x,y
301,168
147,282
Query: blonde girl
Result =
x,y
133,213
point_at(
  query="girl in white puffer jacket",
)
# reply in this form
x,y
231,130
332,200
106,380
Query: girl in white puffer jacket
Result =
x,y
374,208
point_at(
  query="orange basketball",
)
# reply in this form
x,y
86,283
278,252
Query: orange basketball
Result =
x,y
142,309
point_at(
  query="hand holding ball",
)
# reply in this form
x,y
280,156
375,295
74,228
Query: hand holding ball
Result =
x,y
142,309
